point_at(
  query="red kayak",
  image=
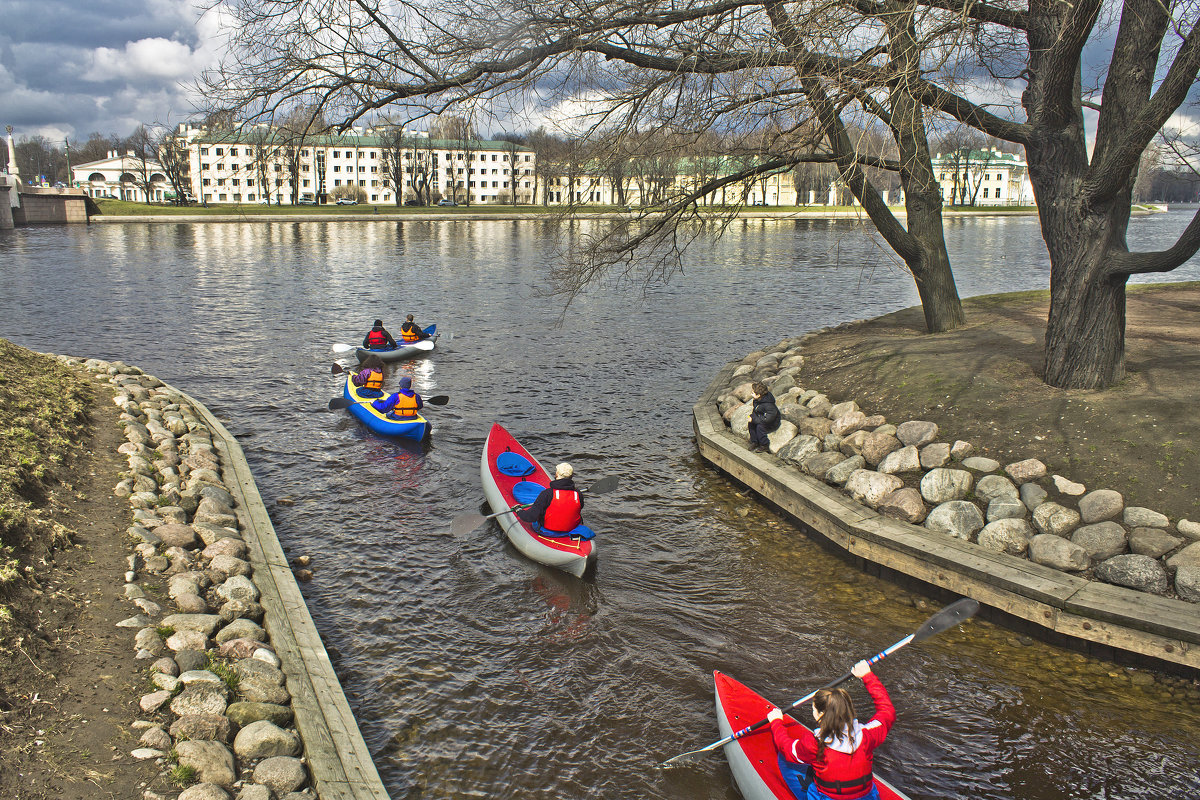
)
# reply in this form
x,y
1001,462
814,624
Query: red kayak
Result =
x,y
752,759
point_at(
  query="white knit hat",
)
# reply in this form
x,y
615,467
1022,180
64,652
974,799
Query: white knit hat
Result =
x,y
563,470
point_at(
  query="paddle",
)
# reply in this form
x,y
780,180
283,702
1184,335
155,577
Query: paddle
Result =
x,y
465,523
424,344
957,612
345,402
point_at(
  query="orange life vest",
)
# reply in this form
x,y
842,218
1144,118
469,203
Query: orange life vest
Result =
x,y
562,514
406,406
373,379
376,339
409,332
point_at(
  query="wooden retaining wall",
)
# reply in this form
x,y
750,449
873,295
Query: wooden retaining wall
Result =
x,y
334,749
1107,619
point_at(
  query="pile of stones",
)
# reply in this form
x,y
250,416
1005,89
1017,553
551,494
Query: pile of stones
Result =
x,y
220,713
908,472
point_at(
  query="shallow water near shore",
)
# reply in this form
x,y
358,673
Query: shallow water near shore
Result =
x,y
475,672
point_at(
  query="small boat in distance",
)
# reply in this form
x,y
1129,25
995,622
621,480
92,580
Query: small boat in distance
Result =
x,y
401,351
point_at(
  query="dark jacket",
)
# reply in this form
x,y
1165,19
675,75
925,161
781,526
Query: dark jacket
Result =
x,y
765,412
535,512
390,341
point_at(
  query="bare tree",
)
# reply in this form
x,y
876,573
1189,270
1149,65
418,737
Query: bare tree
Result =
x,y
143,147
171,151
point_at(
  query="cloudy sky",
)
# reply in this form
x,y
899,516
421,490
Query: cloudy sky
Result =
x,y
71,67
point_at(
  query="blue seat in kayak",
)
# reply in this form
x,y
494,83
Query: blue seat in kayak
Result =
x,y
526,492
580,531
514,465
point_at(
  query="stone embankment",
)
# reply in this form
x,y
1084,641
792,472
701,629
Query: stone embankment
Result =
x,y
231,711
919,482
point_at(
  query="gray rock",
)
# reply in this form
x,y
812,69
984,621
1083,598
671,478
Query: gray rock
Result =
x,y
800,448
1006,508
841,409
212,761
1055,519
819,406
991,487
198,676
189,660
935,455
228,546
1025,471
958,518
1033,495
1006,535
228,565
852,445
189,603
820,463
943,485
175,535
242,609
187,640
1189,529
204,791
1137,572
1056,552
886,428
776,440
1153,542
240,629
152,702
739,420
264,739
981,464
166,666
1187,583
819,427
869,487
793,413
203,727
244,713
1100,505
252,791
238,587
282,774
138,621
904,504
841,472
205,623
148,639
848,422
1187,557
877,445
156,739
1102,540
916,433
1138,517
201,698
1068,487
906,459
961,450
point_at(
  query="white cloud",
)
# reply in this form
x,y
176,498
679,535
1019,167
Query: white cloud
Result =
x,y
143,61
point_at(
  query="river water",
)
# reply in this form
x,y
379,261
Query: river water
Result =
x,y
476,673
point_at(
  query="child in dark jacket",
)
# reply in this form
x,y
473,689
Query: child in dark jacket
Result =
x,y
764,417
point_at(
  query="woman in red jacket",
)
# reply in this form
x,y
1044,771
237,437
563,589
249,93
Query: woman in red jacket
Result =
x,y
840,751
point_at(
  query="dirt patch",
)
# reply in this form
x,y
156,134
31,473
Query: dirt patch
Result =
x,y
982,384
68,681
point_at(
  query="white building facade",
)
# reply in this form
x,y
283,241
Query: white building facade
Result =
x,y
261,166
983,178
123,177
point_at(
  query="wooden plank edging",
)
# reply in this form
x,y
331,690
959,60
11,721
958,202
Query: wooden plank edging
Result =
x,y
336,754
1151,627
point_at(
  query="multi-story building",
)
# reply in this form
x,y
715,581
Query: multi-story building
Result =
x,y
267,165
123,177
983,178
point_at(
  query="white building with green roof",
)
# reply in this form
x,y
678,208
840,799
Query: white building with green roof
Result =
x,y
987,177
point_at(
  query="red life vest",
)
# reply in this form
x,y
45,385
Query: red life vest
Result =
x,y
406,407
562,514
373,379
376,339
409,332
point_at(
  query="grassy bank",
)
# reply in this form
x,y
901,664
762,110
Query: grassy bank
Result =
x,y
42,425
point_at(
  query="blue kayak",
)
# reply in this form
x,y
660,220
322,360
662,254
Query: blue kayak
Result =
x,y
415,428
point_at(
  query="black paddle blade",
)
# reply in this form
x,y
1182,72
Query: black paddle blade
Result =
x,y
604,485
340,402
957,612
336,369
437,399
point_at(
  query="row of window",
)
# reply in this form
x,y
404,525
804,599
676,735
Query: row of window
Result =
x,y
233,151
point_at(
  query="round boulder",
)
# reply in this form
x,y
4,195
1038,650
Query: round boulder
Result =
x,y
904,504
264,739
1056,552
282,774
1054,519
1102,540
1006,536
990,487
869,487
1100,505
942,485
1137,572
916,433
958,518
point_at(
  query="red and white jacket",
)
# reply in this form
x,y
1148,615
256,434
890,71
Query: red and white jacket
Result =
x,y
848,759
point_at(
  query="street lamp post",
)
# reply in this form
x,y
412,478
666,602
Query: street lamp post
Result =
x,y
67,145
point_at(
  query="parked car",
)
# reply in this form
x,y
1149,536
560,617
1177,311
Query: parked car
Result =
x,y
346,201
445,201
412,202
306,201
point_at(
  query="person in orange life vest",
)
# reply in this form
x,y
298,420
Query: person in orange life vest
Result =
x,y
369,378
378,338
841,750
411,332
557,508
404,404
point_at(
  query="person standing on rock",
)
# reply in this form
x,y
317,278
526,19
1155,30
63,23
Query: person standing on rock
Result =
x,y
378,338
369,379
764,417
835,761
411,332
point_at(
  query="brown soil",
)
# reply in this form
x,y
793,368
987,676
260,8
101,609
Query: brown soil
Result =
x,y
69,683
982,384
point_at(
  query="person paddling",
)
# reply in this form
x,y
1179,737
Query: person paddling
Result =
x,y
404,404
378,338
411,332
834,762
558,508
369,378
